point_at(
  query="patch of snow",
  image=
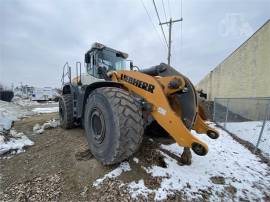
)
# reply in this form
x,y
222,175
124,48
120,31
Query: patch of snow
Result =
x,y
173,148
16,143
44,110
123,167
6,119
226,158
136,160
138,189
15,134
10,112
28,102
38,129
6,157
24,102
52,124
250,132
2,139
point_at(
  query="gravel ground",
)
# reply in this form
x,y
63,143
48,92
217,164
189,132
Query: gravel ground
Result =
x,y
60,167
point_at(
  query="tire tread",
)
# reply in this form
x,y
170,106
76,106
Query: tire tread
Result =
x,y
130,123
67,99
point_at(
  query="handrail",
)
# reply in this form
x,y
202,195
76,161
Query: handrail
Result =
x,y
66,72
78,66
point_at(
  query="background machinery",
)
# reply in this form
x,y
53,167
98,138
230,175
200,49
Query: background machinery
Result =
x,y
115,101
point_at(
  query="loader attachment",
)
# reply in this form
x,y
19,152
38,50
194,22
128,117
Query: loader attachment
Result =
x,y
189,103
173,102
201,127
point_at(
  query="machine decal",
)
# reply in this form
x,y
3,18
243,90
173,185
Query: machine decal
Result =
x,y
140,84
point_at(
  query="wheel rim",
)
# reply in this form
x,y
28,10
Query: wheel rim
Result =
x,y
98,127
199,149
212,134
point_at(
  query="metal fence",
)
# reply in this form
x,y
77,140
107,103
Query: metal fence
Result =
x,y
246,118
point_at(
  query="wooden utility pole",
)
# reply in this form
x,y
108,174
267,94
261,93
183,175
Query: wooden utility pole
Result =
x,y
170,35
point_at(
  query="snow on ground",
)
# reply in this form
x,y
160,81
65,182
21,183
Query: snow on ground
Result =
x,y
123,167
250,132
6,119
138,189
46,109
39,129
10,112
136,160
227,166
226,159
24,102
16,143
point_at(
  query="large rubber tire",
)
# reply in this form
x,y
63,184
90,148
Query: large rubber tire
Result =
x,y
66,111
114,125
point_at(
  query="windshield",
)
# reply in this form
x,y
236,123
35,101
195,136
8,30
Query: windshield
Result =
x,y
109,59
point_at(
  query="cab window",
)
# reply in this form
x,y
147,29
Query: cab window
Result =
x,y
90,65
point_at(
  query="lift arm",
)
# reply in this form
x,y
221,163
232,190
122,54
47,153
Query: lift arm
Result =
x,y
156,91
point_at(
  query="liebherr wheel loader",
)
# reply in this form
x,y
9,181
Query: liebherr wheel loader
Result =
x,y
115,102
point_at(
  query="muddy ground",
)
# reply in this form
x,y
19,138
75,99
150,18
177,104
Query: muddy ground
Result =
x,y
59,167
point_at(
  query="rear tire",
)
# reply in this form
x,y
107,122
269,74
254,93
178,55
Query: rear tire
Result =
x,y
114,125
66,111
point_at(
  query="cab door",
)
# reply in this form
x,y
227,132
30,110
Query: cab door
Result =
x,y
91,68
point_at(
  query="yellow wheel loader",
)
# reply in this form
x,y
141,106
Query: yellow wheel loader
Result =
x,y
115,101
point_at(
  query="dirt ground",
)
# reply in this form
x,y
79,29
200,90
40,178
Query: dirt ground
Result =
x,y
59,167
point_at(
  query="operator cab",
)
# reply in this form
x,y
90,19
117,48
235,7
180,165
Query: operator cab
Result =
x,y
101,59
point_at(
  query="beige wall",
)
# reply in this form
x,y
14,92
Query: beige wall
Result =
x,y
245,73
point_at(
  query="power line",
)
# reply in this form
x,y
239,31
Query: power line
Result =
x,y
164,10
152,23
160,23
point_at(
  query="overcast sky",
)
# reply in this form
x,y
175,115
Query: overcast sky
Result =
x,y
38,37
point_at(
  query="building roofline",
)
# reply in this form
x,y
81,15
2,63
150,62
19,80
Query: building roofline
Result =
x,y
268,21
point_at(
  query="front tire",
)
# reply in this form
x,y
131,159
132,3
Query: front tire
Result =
x,y
113,124
66,111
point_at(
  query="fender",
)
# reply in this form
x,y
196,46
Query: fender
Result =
x,y
87,89
68,88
